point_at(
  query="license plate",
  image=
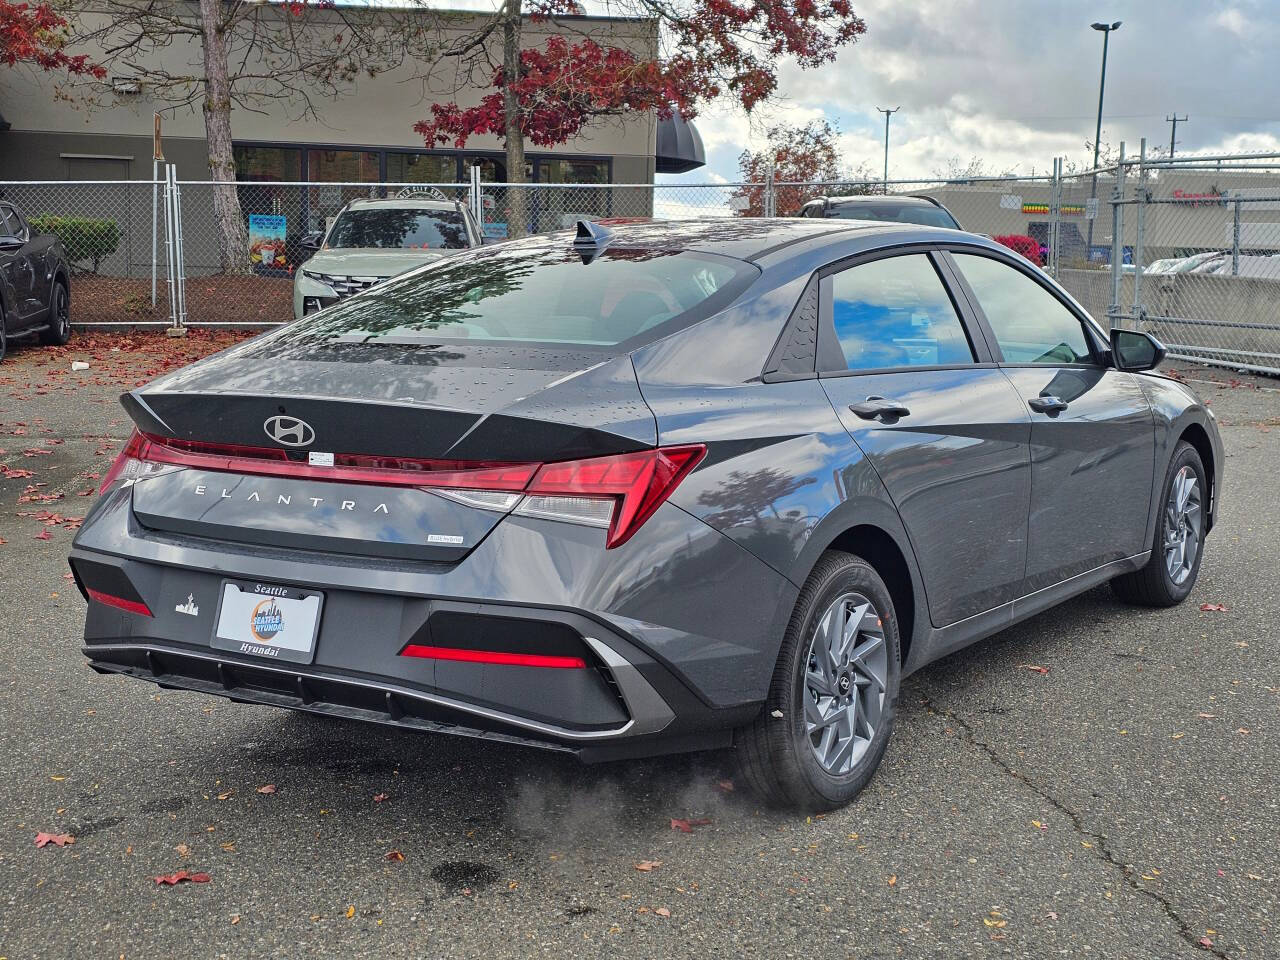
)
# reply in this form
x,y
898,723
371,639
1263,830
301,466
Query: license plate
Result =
x,y
265,620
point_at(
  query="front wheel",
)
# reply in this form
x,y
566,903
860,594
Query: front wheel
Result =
x,y
58,331
1178,544
830,709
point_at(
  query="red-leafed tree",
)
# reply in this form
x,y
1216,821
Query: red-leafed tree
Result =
x,y
1029,247
806,162
36,36
575,78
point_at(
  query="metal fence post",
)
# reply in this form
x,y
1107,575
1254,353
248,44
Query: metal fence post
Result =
x,y
1235,238
155,260
770,208
1055,214
1117,239
1141,195
473,194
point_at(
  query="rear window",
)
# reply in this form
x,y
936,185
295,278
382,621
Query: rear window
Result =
x,y
926,216
399,230
540,293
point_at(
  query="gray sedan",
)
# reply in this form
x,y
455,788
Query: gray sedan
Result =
x,y
647,487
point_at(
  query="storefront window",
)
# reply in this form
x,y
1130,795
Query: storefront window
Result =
x,y
268,164
335,167
558,209
421,168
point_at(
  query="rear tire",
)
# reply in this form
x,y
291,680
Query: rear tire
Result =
x,y
1178,543
58,332
826,724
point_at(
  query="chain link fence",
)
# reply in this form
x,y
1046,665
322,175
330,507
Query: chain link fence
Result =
x,y
1188,249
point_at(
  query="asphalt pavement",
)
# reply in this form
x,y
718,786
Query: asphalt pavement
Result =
x,y
1122,804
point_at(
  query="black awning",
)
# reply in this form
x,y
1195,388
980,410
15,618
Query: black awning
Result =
x,y
679,146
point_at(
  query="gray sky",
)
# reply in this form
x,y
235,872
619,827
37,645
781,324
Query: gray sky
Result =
x,y
1016,83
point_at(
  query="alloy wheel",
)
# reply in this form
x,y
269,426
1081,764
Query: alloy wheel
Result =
x,y
1182,525
61,314
844,682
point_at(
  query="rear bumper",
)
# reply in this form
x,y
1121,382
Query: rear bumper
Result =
x,y
670,665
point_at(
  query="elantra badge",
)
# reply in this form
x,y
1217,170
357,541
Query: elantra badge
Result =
x,y
290,431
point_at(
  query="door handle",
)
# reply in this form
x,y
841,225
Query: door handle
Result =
x,y
878,408
1047,404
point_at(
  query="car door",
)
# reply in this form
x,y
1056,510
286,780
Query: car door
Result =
x,y
18,267
917,389
1092,431
36,250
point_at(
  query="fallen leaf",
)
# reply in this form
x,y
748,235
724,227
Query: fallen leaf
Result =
x,y
662,912
1213,607
226,795
267,788
1206,716
182,876
1034,668
645,866
379,797
395,855
893,880
351,911
235,918
183,850
42,535
57,839
686,826
725,785
1178,736
1206,943
1038,825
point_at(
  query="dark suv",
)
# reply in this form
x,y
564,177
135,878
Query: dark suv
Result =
x,y
924,211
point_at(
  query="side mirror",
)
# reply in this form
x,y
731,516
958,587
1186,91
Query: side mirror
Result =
x,y
1134,350
311,241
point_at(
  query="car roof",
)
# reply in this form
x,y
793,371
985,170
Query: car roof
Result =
x,y
402,203
905,199
753,238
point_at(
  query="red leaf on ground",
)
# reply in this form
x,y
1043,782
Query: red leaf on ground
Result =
x,y
1213,607
267,788
1035,668
725,785
395,855
1206,943
182,876
686,826
379,797
57,839
42,535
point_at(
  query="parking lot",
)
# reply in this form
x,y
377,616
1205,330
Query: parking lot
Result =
x,y
1098,781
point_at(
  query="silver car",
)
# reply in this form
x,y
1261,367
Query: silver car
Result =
x,y
374,240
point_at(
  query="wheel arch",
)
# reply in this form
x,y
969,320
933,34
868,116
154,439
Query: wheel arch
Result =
x,y
1196,435
890,560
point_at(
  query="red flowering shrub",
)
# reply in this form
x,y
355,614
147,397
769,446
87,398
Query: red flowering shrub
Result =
x,y
1029,247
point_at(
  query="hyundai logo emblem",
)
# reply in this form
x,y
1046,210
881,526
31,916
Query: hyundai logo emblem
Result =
x,y
290,431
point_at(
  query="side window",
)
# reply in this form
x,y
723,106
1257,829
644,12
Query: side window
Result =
x,y
7,227
1030,323
896,313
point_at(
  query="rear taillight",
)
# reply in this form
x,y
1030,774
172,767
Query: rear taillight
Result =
x,y
619,492
129,465
136,607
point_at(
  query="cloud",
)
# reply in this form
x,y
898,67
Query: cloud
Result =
x,y
1016,84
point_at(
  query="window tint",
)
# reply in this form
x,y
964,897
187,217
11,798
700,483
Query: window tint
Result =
x,y
409,229
896,313
539,292
1030,323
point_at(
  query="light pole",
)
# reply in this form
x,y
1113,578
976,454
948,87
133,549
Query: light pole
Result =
x,y
887,114
1105,29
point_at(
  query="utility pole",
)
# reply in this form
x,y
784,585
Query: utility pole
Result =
x,y
1173,133
887,114
1105,29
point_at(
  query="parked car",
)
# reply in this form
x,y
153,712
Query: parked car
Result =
x,y
35,289
925,211
648,488
373,240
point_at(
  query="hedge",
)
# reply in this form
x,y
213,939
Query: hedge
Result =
x,y
84,238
